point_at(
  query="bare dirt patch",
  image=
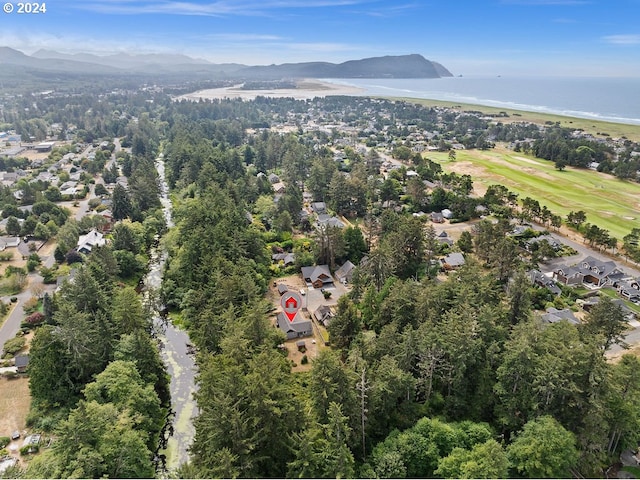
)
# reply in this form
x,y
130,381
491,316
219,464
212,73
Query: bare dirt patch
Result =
x,y
15,400
526,160
16,261
476,172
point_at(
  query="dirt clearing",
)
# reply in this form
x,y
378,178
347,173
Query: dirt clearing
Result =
x,y
15,400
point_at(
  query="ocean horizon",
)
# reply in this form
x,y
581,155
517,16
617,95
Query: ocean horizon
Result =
x,y
610,99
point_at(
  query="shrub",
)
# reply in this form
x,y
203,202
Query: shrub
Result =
x,y
14,345
31,305
29,449
73,257
35,318
304,360
14,299
4,441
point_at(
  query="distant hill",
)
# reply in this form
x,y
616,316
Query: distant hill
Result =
x,y
402,66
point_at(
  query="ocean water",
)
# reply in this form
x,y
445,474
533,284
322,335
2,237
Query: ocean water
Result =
x,y
599,98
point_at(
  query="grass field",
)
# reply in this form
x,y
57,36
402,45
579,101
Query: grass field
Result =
x,y
15,400
595,127
609,203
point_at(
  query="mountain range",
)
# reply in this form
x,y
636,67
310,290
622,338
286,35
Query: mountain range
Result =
x,y
402,66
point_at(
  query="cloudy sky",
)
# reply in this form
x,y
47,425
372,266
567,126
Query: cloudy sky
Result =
x,y
470,37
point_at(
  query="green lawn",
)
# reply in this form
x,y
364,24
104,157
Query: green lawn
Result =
x,y
632,470
609,203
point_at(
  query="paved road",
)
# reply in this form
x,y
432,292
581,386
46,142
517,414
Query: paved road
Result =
x,y
12,322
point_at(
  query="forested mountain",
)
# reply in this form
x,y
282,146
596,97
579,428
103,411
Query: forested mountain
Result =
x,y
402,66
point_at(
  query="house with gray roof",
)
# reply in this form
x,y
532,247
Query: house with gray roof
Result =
x,y
554,315
319,207
597,272
344,274
326,220
555,244
318,275
568,275
299,327
541,280
324,314
273,178
452,261
6,242
286,258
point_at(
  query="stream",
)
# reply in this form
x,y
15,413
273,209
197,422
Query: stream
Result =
x,y
177,355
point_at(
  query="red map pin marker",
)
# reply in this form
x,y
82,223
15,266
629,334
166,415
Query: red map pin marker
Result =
x,y
291,303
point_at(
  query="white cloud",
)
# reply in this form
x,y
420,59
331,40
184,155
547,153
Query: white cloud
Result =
x,y
218,8
631,39
243,37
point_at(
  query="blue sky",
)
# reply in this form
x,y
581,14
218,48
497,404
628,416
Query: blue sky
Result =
x,y
470,37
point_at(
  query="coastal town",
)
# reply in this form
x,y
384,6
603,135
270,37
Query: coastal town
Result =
x,y
331,177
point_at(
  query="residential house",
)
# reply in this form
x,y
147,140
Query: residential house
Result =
x,y
299,327
538,278
319,207
12,151
598,273
554,315
344,274
629,290
324,314
89,241
279,187
452,261
273,178
446,213
326,220
286,258
437,217
318,275
107,215
553,243
282,288
568,275
430,185
9,178
443,237
6,242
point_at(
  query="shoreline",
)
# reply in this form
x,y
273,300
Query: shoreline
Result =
x,y
598,128
308,89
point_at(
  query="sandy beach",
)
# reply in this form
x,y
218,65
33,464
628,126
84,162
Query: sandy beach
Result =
x,y
305,89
